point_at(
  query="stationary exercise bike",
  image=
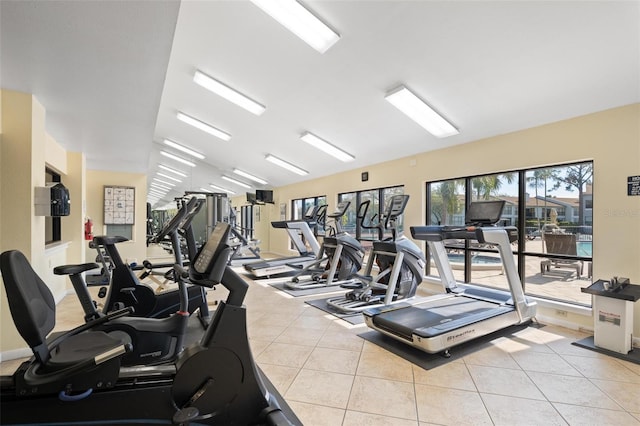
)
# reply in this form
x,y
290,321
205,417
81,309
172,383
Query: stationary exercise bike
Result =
x,y
126,290
153,340
76,378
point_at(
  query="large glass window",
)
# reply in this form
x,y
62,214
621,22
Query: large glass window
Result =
x,y
299,207
552,208
377,201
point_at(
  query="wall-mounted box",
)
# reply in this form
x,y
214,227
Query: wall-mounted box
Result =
x,y
52,200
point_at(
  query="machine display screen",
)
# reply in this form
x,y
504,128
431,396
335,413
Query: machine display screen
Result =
x,y
484,212
215,244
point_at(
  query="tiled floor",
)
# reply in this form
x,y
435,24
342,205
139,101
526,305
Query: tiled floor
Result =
x,y
330,376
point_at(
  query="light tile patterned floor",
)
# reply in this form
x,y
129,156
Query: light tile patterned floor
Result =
x,y
537,377
330,376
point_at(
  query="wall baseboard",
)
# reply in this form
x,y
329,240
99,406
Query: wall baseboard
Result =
x,y
15,354
559,322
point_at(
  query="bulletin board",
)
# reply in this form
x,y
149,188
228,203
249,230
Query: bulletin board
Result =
x,y
119,205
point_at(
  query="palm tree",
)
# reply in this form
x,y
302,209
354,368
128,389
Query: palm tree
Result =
x,y
576,176
539,178
444,199
490,184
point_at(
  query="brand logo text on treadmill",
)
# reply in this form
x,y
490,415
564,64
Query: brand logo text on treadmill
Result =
x,y
459,335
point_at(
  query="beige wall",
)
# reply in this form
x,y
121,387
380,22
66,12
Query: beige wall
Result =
x,y
96,180
73,225
26,149
610,138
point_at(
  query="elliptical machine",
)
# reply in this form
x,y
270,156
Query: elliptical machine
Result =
x,y
400,261
126,290
344,258
153,340
77,379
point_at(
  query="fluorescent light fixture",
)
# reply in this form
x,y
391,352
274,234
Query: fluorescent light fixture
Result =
x,y
249,176
169,169
325,146
416,109
285,165
156,191
184,149
297,19
164,182
237,182
203,126
219,188
166,176
176,158
159,186
228,93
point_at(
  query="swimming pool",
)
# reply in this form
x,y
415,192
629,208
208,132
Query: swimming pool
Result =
x,y
478,262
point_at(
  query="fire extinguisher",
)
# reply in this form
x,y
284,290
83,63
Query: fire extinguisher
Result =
x,y
88,229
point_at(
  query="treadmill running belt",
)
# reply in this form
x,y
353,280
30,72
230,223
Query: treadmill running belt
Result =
x,y
404,322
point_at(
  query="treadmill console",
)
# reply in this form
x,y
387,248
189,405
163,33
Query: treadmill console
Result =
x,y
484,213
443,232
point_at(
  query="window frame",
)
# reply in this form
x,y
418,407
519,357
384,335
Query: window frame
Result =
x,y
521,252
53,224
382,200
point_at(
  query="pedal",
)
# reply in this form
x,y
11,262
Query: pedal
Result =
x,y
352,286
102,292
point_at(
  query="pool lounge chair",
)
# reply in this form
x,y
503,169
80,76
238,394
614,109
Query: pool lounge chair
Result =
x,y
561,244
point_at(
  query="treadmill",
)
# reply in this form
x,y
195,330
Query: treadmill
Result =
x,y
464,312
299,231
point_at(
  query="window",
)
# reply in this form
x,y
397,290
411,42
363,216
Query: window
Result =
x,y
298,208
52,225
377,201
554,200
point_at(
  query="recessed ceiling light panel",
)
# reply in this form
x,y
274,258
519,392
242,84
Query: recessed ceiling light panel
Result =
x,y
166,176
325,146
184,149
286,165
416,109
300,21
163,182
178,159
237,182
219,188
208,128
249,176
169,169
228,93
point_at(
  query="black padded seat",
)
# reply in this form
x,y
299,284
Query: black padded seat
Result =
x,y
33,309
104,240
74,269
81,347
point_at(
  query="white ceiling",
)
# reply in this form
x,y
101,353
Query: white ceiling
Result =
x,y
112,76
